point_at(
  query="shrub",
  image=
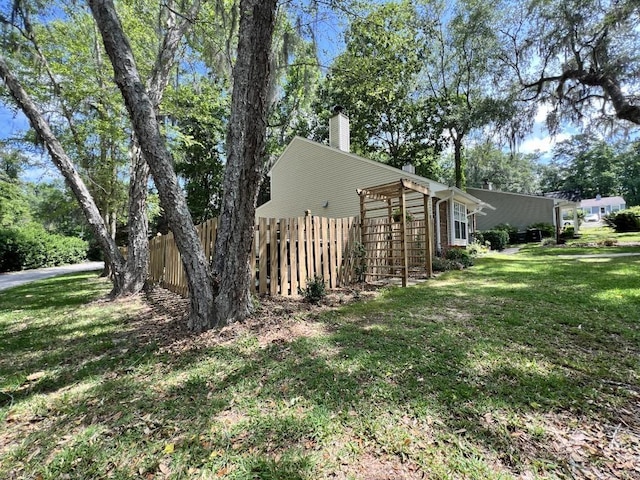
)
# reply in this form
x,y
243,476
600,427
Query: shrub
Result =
x,y
567,232
32,247
547,229
498,239
549,241
624,220
511,231
314,291
441,264
476,248
359,252
459,255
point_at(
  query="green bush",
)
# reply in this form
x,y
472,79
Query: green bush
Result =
x,y
32,247
567,232
476,248
511,231
624,220
498,239
547,229
459,255
315,290
441,264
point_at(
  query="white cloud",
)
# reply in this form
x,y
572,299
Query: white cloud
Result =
x,y
542,144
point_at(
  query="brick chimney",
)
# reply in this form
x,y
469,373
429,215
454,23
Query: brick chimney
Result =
x,y
339,130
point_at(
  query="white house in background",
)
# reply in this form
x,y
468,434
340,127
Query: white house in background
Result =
x,y
602,205
323,179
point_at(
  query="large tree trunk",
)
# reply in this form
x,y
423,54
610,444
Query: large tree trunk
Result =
x,y
458,161
245,153
138,245
64,164
142,113
138,251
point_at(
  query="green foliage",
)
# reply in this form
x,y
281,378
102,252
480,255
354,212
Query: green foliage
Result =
x,y
32,247
315,290
441,264
460,255
511,231
376,80
199,126
567,232
547,229
627,220
579,58
476,248
14,205
498,239
508,172
359,253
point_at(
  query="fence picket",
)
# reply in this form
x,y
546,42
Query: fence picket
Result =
x,y
262,271
285,254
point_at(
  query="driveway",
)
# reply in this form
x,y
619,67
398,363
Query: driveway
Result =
x,y
14,279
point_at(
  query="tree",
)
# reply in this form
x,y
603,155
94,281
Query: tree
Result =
x,y
95,131
14,208
585,166
245,158
630,173
462,72
65,165
375,80
199,115
509,172
245,146
579,57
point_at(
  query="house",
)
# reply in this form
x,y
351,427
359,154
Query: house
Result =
x,y
520,210
602,205
324,179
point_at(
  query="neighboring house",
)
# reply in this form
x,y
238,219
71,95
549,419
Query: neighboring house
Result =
x,y
320,179
602,205
519,210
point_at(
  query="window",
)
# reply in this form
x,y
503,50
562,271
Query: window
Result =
x,y
459,221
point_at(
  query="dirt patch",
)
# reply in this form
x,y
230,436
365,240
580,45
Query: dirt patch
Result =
x,y
161,319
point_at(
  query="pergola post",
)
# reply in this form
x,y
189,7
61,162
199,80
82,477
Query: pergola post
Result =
x,y
428,229
404,257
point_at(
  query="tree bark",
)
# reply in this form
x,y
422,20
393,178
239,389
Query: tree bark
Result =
x,y
245,153
142,113
65,165
458,161
138,251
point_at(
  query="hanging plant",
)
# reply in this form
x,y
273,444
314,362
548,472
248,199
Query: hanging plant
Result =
x,y
397,216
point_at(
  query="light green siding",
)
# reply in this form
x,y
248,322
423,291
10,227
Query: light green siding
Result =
x,y
309,174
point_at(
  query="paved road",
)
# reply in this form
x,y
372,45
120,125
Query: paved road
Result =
x,y
13,279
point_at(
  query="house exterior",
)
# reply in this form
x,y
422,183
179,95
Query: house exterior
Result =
x,y
602,205
310,177
519,210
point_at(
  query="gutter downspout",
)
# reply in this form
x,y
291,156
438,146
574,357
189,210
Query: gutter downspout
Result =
x,y
438,236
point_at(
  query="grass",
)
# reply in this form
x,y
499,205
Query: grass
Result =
x,y
592,240
520,367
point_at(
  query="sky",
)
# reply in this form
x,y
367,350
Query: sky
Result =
x,y
539,139
329,34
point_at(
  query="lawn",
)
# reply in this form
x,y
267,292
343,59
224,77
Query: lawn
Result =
x,y
521,367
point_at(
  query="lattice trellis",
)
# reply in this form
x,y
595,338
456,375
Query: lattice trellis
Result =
x,y
397,230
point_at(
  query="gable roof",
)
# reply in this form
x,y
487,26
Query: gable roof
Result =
x,y
437,188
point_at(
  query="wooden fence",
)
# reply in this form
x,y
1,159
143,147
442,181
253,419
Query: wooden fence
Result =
x,y
287,253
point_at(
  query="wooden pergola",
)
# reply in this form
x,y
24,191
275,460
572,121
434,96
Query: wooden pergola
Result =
x,y
396,226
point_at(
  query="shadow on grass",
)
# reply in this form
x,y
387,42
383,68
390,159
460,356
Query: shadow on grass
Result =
x,y
451,351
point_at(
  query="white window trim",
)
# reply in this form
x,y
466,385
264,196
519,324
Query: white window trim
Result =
x,y
452,231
